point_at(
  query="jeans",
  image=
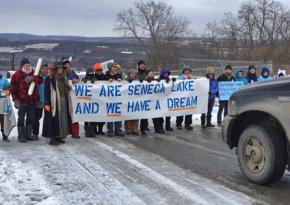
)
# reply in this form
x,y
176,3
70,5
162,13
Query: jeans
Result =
x,y
117,125
26,115
222,107
209,111
144,125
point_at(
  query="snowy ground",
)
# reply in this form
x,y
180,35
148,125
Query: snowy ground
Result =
x,y
109,171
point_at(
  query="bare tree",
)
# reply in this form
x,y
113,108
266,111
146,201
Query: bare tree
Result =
x,y
155,26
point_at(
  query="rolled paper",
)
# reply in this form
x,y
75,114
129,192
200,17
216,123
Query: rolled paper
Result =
x,y
36,72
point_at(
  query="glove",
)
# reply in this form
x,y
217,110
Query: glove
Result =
x,y
173,79
28,79
7,92
17,104
47,108
85,80
167,80
92,81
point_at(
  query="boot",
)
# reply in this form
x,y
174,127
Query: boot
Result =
x,y
53,141
29,135
4,137
21,134
209,125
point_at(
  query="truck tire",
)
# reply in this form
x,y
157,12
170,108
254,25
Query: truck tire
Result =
x,y
262,154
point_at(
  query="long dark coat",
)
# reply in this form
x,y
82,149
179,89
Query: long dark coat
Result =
x,y
50,123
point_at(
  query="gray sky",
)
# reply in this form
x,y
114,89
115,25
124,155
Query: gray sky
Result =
x,y
96,17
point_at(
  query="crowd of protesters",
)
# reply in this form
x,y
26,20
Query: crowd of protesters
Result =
x,y
51,100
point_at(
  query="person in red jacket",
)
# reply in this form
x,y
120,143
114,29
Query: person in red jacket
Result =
x,y
20,83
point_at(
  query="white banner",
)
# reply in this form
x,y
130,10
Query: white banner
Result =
x,y
107,102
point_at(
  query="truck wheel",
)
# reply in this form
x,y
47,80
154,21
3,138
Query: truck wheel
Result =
x,y
261,155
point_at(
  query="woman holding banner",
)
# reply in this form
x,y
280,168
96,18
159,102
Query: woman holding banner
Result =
x,y
57,121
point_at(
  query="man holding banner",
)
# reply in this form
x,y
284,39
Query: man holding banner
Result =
x,y
223,103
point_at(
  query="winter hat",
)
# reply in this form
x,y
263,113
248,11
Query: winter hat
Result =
x,y
186,69
65,61
210,70
132,71
141,62
24,62
252,67
228,67
89,71
98,67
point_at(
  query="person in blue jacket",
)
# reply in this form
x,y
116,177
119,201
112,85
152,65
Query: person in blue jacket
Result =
x,y
212,94
265,74
240,77
40,104
4,89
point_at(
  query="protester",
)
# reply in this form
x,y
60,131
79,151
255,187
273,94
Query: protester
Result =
x,y
131,126
20,83
186,75
113,75
213,93
4,89
119,71
40,104
252,74
158,122
223,104
73,78
240,77
141,75
144,124
90,127
57,121
141,71
265,74
100,76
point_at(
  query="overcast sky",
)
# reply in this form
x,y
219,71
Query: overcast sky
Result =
x,y
96,17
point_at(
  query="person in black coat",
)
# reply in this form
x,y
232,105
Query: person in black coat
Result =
x,y
252,74
223,104
57,120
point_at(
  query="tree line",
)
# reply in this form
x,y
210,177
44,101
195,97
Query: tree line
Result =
x,y
260,30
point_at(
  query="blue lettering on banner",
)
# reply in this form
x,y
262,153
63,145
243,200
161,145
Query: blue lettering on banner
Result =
x,y
87,108
226,89
146,89
183,86
157,105
183,102
139,106
110,91
83,90
113,108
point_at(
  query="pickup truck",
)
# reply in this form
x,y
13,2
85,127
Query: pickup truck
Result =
x,y
258,125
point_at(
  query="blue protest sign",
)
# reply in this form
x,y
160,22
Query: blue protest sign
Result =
x,y
226,89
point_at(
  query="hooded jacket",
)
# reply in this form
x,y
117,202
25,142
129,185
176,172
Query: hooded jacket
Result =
x,y
241,79
213,87
163,71
262,77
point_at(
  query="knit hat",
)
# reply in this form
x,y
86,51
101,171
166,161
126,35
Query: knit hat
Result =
x,y
132,71
65,61
252,67
140,63
210,70
98,67
24,62
228,67
186,69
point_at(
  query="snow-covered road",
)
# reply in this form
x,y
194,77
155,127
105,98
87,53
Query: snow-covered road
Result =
x,y
102,171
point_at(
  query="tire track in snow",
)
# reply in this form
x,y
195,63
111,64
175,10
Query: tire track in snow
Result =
x,y
200,194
